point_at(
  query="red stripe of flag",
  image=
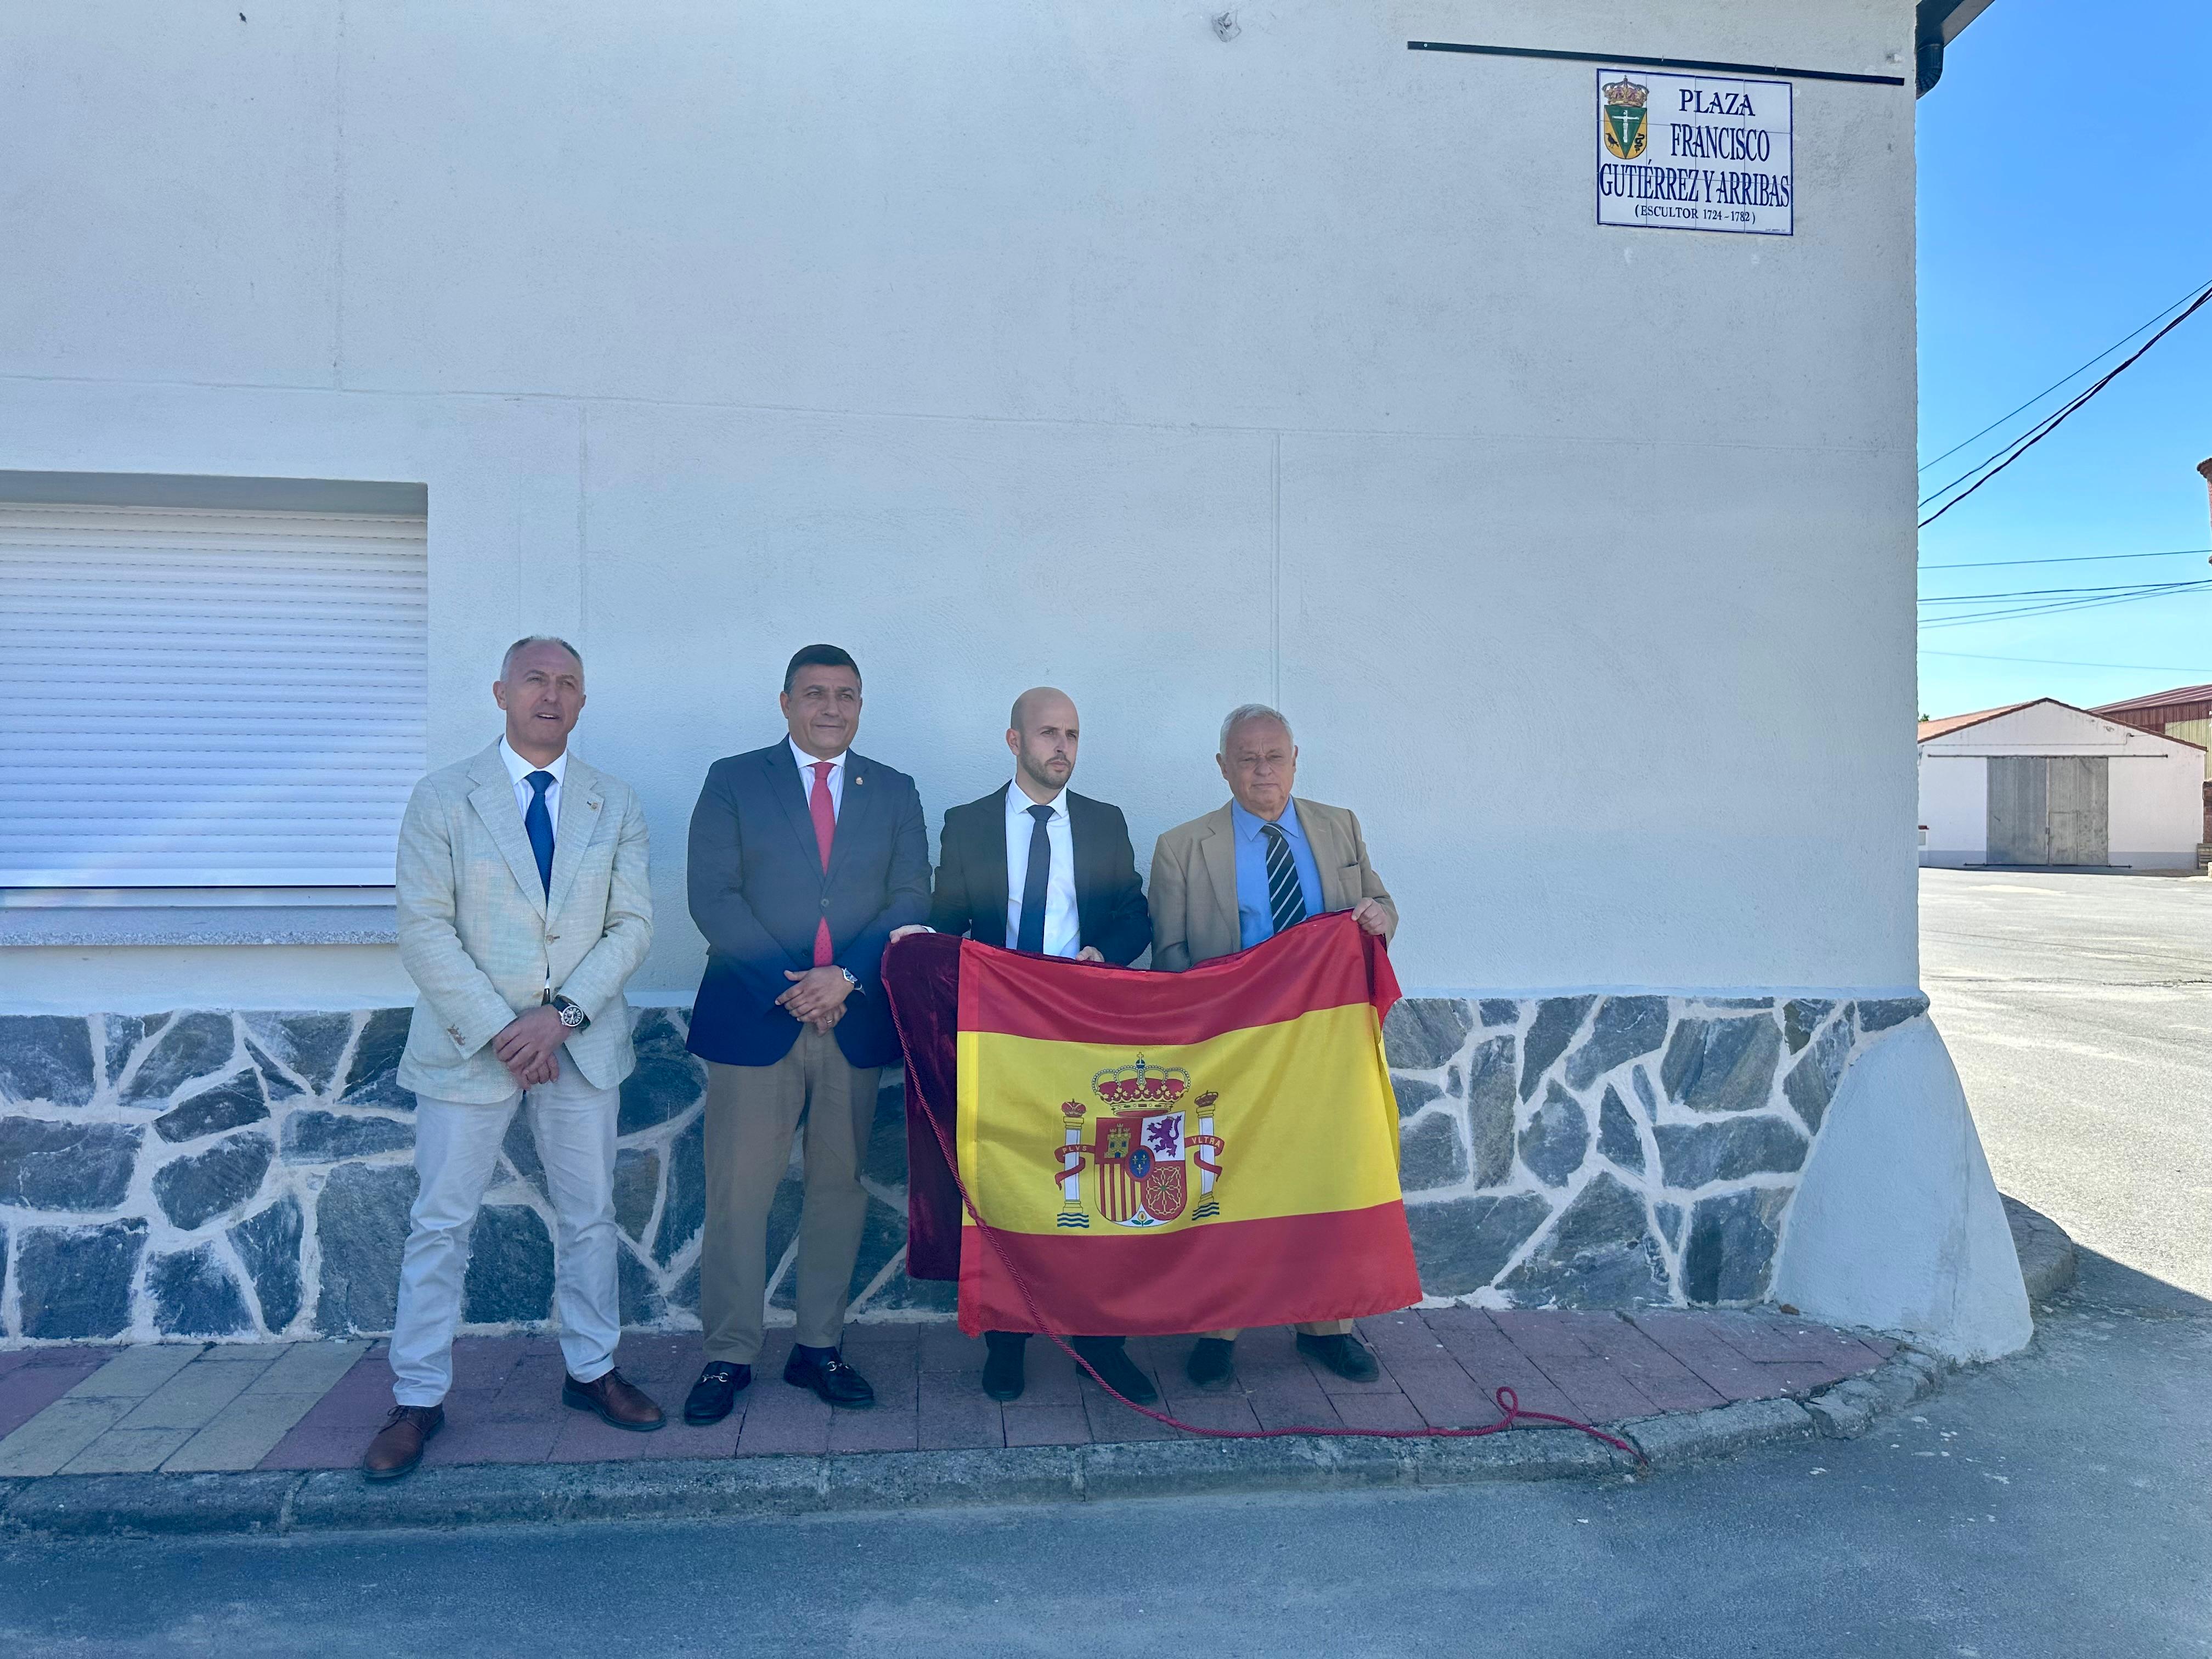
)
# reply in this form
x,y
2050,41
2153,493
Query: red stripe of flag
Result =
x,y
1341,1264
1056,1000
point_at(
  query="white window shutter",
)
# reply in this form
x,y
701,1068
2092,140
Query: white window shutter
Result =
x,y
208,698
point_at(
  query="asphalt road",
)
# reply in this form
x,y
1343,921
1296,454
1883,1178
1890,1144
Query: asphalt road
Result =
x,y
2054,1505
2078,1009
2058,1504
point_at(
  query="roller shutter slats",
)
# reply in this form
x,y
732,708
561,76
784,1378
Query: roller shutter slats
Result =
x,y
197,698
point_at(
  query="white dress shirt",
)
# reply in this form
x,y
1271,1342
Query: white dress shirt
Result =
x,y
807,763
520,769
1063,929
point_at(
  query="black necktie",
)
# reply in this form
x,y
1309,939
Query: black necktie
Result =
x,y
538,823
1286,900
1031,934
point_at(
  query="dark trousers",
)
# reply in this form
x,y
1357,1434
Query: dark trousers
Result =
x,y
1090,1347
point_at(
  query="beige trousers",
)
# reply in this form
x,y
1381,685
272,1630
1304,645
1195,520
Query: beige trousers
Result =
x,y
752,1112
1311,1327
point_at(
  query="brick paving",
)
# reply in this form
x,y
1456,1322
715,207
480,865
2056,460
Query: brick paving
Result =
x,y
312,1405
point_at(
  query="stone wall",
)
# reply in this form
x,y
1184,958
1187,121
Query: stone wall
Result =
x,y
208,1173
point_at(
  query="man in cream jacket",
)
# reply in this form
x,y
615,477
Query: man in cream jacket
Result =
x,y
524,909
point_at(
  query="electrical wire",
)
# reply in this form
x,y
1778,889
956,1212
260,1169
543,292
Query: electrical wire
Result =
x,y
2044,427
2014,611
2068,662
2049,592
2063,662
2076,558
2053,386
2052,609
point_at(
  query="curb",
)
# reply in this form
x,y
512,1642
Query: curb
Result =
x,y
275,1502
2048,1259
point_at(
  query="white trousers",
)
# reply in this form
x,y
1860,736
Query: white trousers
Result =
x,y
456,1144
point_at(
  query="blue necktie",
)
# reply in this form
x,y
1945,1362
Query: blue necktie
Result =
x,y
1287,898
538,822
1034,882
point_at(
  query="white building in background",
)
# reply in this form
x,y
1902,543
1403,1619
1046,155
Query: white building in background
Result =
x,y
2045,784
1529,414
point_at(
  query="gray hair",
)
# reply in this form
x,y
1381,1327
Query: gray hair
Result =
x,y
1253,711
529,640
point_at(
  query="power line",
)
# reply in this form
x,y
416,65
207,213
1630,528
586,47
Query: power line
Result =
x,y
2013,612
2077,558
2061,662
2053,388
2052,592
2050,423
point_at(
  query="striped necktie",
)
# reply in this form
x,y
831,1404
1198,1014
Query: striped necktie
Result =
x,y
1286,900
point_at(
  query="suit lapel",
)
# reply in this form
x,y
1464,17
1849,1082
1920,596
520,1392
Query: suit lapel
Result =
x,y
1323,842
1216,853
852,812
581,799
790,786
993,852
1087,887
493,801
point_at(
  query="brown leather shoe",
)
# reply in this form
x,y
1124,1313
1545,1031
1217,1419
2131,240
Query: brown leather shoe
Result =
x,y
397,1447
615,1401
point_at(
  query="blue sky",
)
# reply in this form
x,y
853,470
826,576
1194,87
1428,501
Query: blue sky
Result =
x,y
2064,199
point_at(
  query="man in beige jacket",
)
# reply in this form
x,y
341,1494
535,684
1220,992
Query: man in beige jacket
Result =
x,y
524,909
1241,874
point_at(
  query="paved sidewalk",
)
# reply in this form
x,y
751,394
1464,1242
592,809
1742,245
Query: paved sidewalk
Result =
x,y
312,1405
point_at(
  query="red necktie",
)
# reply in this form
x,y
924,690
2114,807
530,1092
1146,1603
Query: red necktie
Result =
x,y
825,831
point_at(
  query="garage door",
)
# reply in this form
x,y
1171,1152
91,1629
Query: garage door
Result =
x,y
2050,809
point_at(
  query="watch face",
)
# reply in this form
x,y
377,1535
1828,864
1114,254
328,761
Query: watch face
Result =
x,y
572,1017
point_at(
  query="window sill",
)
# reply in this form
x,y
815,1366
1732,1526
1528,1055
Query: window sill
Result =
x,y
198,916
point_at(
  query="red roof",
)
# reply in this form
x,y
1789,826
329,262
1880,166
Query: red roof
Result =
x,y
2157,699
1936,729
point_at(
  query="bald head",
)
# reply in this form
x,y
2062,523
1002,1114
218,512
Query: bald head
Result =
x,y
1042,733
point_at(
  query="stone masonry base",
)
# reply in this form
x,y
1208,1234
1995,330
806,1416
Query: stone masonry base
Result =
x,y
247,1176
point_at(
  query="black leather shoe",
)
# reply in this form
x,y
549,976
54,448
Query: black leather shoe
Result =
x,y
1110,1359
821,1370
1002,1370
1212,1362
1345,1355
715,1392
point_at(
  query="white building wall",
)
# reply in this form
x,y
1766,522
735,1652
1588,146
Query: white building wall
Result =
x,y
1011,342
1954,805
2158,811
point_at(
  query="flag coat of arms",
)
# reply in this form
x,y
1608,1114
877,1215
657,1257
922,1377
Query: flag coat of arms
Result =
x,y
1158,1153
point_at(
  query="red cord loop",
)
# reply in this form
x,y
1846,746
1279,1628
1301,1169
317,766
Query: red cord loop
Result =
x,y
1509,1402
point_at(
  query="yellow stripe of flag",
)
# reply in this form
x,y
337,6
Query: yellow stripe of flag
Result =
x,y
1299,1105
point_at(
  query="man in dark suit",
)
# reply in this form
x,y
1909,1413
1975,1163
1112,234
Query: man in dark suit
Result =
x,y
804,857
1035,866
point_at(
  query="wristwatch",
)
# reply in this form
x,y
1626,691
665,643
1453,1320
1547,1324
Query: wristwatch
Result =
x,y
572,1016
849,978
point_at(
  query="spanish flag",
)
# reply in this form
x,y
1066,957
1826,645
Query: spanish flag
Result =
x,y
1155,1153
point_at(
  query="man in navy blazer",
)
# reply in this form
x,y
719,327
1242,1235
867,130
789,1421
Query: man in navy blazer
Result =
x,y
804,857
1035,866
